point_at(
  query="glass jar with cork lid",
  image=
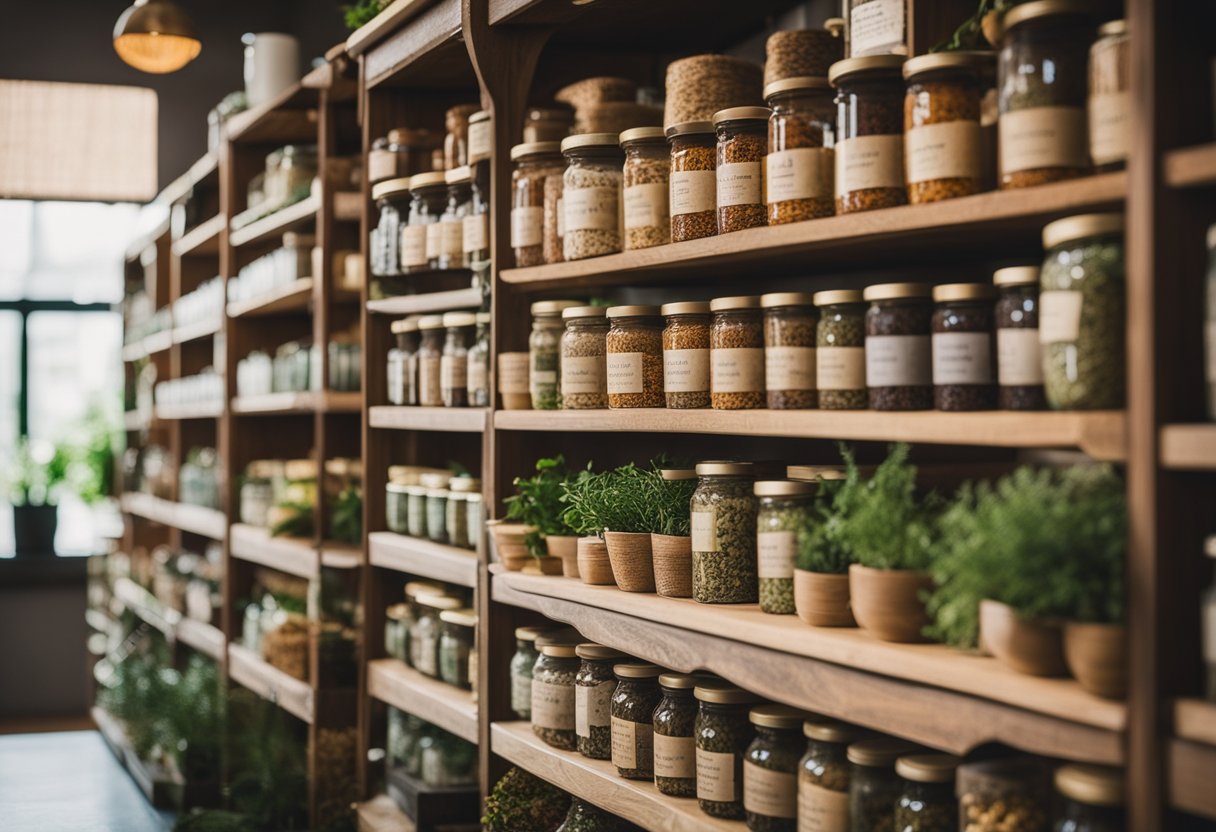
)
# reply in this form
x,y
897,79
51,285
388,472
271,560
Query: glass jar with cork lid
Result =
x,y
1019,357
583,359
422,243
723,733
770,769
544,353
1109,103
460,489
824,774
927,798
789,350
742,145
736,354
675,747
553,692
964,366
526,654
424,634
943,145
429,358
456,633
723,525
594,686
634,701
645,198
634,357
874,787
532,163
800,167
591,195
686,354
402,386
1093,799
454,363
784,507
392,198
452,255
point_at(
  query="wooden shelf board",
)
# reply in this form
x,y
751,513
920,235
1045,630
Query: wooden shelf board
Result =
x,y
337,555
202,636
1189,447
284,219
208,522
291,297
928,692
450,419
134,351
293,555
426,302
596,781
274,404
394,682
426,50
1190,766
1195,720
198,329
348,206
1098,433
208,410
204,238
150,345
382,25
287,118
205,169
250,671
423,558
136,420
148,507
380,814
199,635
1191,167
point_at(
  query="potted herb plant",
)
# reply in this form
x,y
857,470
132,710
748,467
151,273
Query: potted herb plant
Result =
x,y
669,491
537,504
614,505
39,471
821,568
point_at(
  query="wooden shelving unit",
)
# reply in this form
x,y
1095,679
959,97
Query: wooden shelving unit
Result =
x,y
294,297
452,420
423,558
427,302
273,225
251,671
281,404
198,635
1189,447
396,683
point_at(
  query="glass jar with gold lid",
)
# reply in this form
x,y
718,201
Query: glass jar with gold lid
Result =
x,y
899,351
964,355
723,733
770,769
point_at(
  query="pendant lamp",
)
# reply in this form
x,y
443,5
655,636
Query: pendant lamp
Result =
x,y
156,36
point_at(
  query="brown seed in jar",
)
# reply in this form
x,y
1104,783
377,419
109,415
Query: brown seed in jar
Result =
x,y
552,243
801,120
647,172
692,154
936,102
742,140
789,331
741,330
645,340
687,329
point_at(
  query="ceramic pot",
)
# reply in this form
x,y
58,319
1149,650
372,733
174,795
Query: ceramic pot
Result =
x,y
672,557
564,547
821,599
1097,656
594,568
507,540
631,559
1022,644
887,602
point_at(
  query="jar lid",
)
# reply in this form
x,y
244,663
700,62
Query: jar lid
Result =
x,y
721,693
928,768
590,140
464,484
416,490
814,473
967,61
783,488
479,116
459,319
458,176
560,635
734,302
801,82
690,128
558,651
776,299
649,135
463,617
869,63
731,114
963,291
678,681
428,179
430,322
396,488
637,670
583,312
397,612
828,730
590,650
676,474
438,602
473,497
880,752
719,468
832,297
894,291
456,497
1001,774
433,479
1112,28
297,470
1016,276
553,307
776,716
391,187
403,472
695,307
1081,226
409,324
1044,8
521,151
637,310
528,633
1092,785
437,493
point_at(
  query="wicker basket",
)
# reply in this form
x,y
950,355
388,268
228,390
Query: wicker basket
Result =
x,y
632,564
801,53
592,91
672,565
700,86
594,568
616,117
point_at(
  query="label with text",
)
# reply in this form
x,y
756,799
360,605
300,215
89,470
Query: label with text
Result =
x,y
583,374
877,28
686,371
1019,358
868,162
429,380
704,530
434,240
775,554
452,242
962,358
803,173
590,209
646,205
1059,316
526,226
950,150
740,183
716,776
789,368
454,372
736,370
476,234
675,756
770,793
413,246
840,368
513,374
479,375
632,744
822,810
693,191
624,372
552,706
481,140
592,707
1109,126
899,361
1043,137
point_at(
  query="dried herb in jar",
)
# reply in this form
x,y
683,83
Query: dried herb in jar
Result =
x,y
899,352
723,521
840,350
964,369
637,695
942,138
675,763
583,817
742,146
723,734
870,133
874,787
770,769
927,802
686,354
784,508
635,357
736,356
824,775
800,166
553,696
594,686
693,182
544,353
789,351
584,358
1019,356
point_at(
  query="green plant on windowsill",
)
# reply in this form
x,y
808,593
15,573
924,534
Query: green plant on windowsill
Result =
x,y
537,502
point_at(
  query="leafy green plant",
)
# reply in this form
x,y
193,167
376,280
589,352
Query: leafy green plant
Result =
x,y
522,802
667,501
38,471
361,12
615,501
538,502
346,516
887,526
821,547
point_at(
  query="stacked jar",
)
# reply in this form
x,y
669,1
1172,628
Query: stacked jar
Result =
x,y
964,369
634,702
942,136
742,134
402,383
736,355
800,165
789,350
532,164
693,183
584,349
454,364
840,350
634,357
544,353
1109,103
591,196
723,525
593,689
459,206
869,133
1019,357
429,358
686,354
646,211
422,243
784,507
899,351
723,733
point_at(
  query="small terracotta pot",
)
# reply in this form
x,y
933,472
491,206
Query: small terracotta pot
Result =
x,y
1097,656
887,604
672,556
1022,644
547,565
632,560
565,547
594,568
821,599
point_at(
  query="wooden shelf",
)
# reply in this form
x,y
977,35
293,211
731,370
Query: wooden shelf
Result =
x,y
1098,433
1195,719
596,781
1191,167
194,519
380,814
199,635
275,404
1189,447
337,555
980,225
1190,766
928,693
199,329
395,683
426,302
427,49
449,419
422,558
284,219
292,297
204,238
293,555
382,25
150,345
250,671
289,117
205,410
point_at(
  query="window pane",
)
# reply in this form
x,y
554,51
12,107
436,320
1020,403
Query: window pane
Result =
x,y
16,245
77,251
10,362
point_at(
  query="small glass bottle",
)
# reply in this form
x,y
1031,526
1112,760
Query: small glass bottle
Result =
x,y
421,243
736,354
1093,799
479,363
927,800
647,169
459,204
456,142
533,162
415,510
723,733
456,634
899,348
964,365
459,490
437,514
770,769
544,353
686,354
784,508
593,690
396,507
870,133
475,234
430,360
1019,357
392,199
1109,101
840,350
800,167
424,634
394,632
553,692
943,145
789,350
874,787
522,663
824,775
454,364
591,195
401,382
742,145
634,357
723,525
584,358
675,747
693,183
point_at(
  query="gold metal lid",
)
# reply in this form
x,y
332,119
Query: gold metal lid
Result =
x,y
637,670
1113,28
391,187
678,681
409,324
456,496
881,752
1015,276
635,310
463,617
928,768
558,651
1081,227
776,716
869,63
741,114
529,633
1092,785
734,302
814,473
690,128
796,84
652,135
676,474
1045,8
464,485
690,307
430,322
963,291
776,299
438,602
722,693
783,488
966,61
590,140
458,319
583,312
719,468
458,176
828,730
832,297
396,488
535,149
427,180
553,307
895,291
590,650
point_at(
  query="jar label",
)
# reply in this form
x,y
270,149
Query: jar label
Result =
x,y
561,218
789,368
962,358
1059,316
632,744
802,173
481,140
1210,331
1043,137
624,372
476,233
775,554
429,388
1109,126
434,240
740,183
899,361
869,162
770,793
840,368
675,756
590,209
693,191
381,165
1019,361
704,530
944,151
413,246
552,705
452,238
454,372
686,371
877,28
736,370
521,693
822,810
479,374
716,776
538,378
513,374
526,226
583,374
592,707
646,205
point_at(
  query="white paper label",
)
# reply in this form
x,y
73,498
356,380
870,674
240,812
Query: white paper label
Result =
x,y
899,361
583,374
1109,126
434,240
454,372
592,707
413,246
552,706
632,744
686,371
944,151
740,183
513,374
704,530
869,162
479,375
789,368
590,209
822,810
526,226
962,358
775,554
716,776
803,173
430,392
1019,359
646,205
737,370
770,793
877,28
1043,137
452,238
840,368
1059,316
693,191
675,756
476,233
381,165
624,372
423,653
481,140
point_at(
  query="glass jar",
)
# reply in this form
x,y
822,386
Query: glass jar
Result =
x,y
736,354
415,510
840,350
723,733
424,634
456,142
533,162
554,219
591,196
456,645
522,663
874,787
647,169
675,747
583,359
1082,313
479,363
1007,793
1110,96
396,507
770,769
634,701
899,350
429,358
457,520
475,515
942,137
927,799
437,515
257,497
964,366
454,364
422,240
481,137
723,524
869,133
634,364
395,640
824,775
1042,77
544,353
693,183
593,690
401,153
401,389
446,761
413,591
789,350
475,234
742,143
553,696
784,508
392,200
1019,358
459,205
800,166
1093,799
686,354
877,27
548,124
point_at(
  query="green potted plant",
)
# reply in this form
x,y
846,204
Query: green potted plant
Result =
x,y
537,504
668,492
614,505
591,552
821,567
38,472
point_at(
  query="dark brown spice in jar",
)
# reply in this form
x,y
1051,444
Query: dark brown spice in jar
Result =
x,y
899,352
723,734
770,769
742,144
964,366
637,695
675,749
1019,357
635,357
840,350
693,183
554,219
943,150
800,166
870,133
533,163
823,775
593,688
686,354
736,354
789,351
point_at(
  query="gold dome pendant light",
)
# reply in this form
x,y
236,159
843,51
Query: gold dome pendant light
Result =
x,y
156,36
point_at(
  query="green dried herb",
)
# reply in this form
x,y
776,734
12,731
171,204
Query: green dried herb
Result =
x,y
889,526
538,502
522,802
